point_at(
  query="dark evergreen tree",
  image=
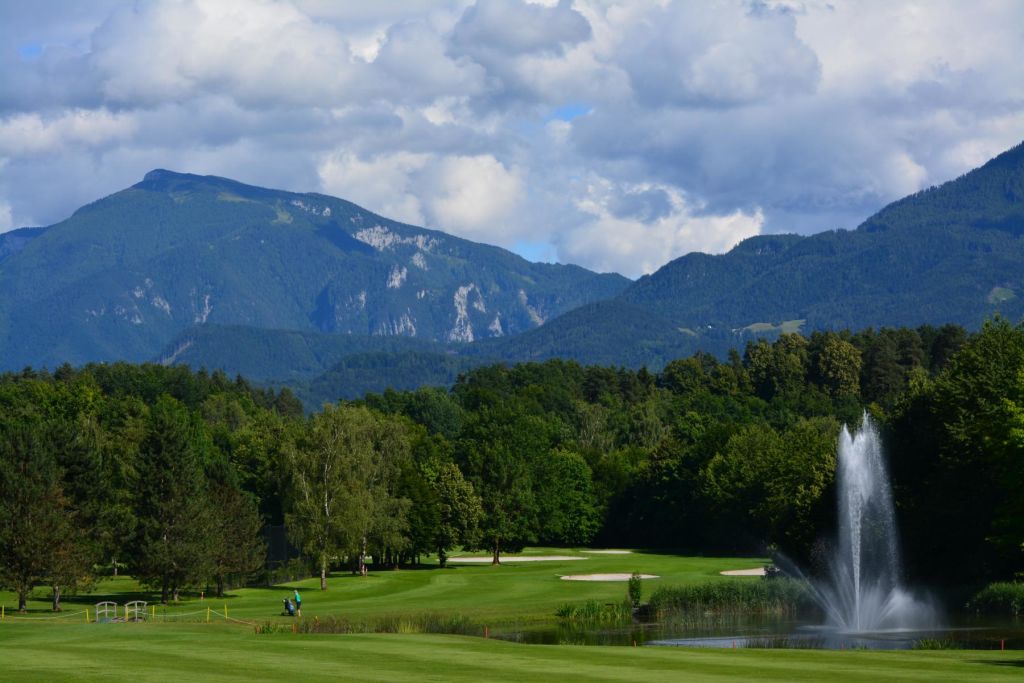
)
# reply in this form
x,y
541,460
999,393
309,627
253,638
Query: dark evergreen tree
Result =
x,y
175,536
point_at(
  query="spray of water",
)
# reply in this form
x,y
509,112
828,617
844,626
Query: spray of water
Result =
x,y
864,591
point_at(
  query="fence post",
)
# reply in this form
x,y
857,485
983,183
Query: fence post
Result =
x,y
225,610
207,615
87,615
3,613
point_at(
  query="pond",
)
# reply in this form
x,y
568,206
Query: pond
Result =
x,y
767,632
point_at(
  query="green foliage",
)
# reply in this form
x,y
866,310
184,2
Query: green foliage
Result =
x,y
596,612
175,536
40,536
635,589
1002,598
343,474
427,622
959,465
158,465
785,597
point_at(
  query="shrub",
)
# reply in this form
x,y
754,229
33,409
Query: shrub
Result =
x,y
635,590
1003,597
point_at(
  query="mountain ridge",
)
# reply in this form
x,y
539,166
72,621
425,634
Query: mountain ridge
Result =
x,y
124,275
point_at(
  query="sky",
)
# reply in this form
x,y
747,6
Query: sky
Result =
x,y
614,135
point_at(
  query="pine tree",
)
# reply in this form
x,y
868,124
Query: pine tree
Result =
x,y
175,524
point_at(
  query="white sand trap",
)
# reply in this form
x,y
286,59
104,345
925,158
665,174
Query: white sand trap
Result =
x,y
605,577
758,571
516,558
608,552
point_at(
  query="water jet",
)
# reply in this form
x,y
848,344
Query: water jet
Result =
x,y
864,590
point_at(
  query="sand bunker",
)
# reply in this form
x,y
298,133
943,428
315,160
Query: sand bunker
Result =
x,y
758,571
624,576
607,552
516,558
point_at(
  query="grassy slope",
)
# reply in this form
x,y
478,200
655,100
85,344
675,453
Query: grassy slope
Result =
x,y
67,649
511,593
196,652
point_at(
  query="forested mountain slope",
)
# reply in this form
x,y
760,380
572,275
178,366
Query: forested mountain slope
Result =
x,y
124,276
952,253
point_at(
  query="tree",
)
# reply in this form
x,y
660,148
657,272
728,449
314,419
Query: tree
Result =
x,y
777,368
565,500
343,470
175,524
498,450
238,548
768,485
39,540
838,366
459,510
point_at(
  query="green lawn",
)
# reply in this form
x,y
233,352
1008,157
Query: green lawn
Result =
x,y
40,648
160,652
510,593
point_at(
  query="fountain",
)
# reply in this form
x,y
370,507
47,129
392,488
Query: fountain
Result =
x,y
865,593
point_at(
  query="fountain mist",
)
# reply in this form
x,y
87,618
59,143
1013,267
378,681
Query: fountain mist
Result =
x,y
865,591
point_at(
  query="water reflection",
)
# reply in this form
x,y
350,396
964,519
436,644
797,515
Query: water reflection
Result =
x,y
766,632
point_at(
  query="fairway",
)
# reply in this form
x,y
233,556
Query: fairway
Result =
x,y
158,652
512,593
38,647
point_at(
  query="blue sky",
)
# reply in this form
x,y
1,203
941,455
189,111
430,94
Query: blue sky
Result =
x,y
615,135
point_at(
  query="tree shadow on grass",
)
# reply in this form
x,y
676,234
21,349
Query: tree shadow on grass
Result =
x,y
1017,663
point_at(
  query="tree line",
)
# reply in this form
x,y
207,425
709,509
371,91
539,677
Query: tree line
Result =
x,y
170,474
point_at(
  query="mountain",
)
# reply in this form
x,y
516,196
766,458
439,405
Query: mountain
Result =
x,y
952,253
318,293
948,254
125,277
287,356
13,241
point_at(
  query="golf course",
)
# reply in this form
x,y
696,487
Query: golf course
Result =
x,y
179,642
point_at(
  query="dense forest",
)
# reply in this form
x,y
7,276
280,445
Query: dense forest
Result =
x,y
170,474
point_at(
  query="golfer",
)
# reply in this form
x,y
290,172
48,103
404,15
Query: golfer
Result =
x,y
298,603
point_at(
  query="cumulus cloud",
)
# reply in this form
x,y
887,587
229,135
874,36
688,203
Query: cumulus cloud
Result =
x,y
383,184
476,196
6,219
262,52
639,239
469,196
614,133
31,133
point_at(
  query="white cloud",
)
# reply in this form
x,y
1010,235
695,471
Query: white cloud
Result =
x,y
637,243
615,133
381,184
260,51
6,219
470,196
23,134
476,197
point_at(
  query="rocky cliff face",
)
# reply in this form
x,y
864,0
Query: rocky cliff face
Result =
x,y
123,276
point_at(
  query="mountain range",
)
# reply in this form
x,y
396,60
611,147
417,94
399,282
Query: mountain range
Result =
x,y
317,292
126,275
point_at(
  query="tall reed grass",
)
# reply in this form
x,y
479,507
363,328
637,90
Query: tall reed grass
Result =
x,y
778,597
